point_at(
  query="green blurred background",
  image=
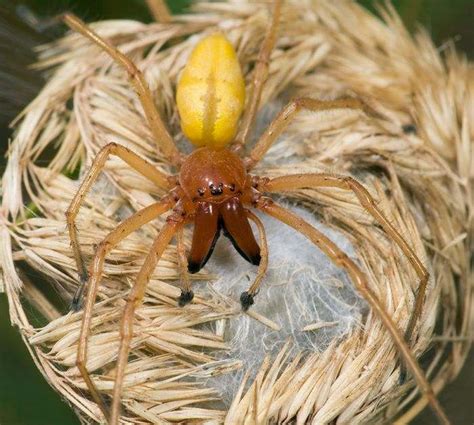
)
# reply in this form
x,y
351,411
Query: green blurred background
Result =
x,y
25,397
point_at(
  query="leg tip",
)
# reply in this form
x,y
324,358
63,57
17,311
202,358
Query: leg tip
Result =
x,y
246,300
403,376
409,128
76,305
185,298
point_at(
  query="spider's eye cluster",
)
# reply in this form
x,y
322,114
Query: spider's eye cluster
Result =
x,y
211,93
216,189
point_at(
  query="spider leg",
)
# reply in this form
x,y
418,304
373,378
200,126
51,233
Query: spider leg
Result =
x,y
247,297
135,298
159,10
289,112
110,241
260,77
162,137
186,291
297,181
358,277
132,159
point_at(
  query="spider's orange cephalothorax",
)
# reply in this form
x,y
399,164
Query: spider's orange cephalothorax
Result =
x,y
211,93
212,175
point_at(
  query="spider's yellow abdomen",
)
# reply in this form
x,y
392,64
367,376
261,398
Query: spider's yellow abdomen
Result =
x,y
211,93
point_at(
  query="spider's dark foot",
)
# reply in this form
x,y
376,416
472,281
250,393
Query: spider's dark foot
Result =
x,y
409,128
76,303
403,375
185,298
403,369
246,300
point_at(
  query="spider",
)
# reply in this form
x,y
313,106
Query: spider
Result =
x,y
215,191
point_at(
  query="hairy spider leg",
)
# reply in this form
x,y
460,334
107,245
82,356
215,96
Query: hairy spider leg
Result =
x,y
161,135
173,224
276,128
186,291
247,297
133,160
299,181
288,114
339,258
159,10
128,226
259,78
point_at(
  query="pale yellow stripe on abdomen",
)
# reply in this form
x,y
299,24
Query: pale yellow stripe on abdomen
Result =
x,y
211,93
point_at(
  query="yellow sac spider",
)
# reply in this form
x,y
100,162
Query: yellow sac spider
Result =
x,y
214,189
